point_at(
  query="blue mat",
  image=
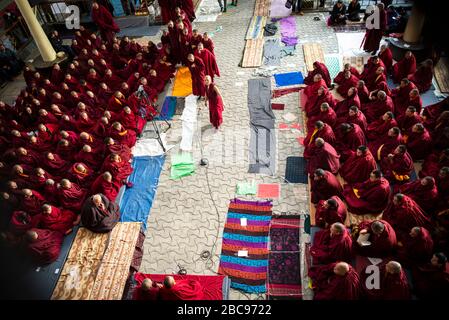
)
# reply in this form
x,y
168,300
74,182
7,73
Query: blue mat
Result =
x,y
137,201
144,31
295,170
168,109
288,79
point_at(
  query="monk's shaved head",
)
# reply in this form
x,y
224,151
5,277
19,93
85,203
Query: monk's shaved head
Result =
x,y
319,142
50,182
337,228
381,95
27,192
444,172
87,148
66,183
393,267
325,106
107,176
46,208
377,227
147,284
332,203
31,235
341,268
169,282
319,124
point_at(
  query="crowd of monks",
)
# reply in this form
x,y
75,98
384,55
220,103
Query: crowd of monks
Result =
x,y
371,139
65,144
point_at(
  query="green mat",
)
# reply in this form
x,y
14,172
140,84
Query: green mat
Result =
x,y
246,188
182,165
333,65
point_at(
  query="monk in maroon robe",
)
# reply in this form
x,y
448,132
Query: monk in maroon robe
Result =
x,y
367,197
324,157
330,211
422,77
312,89
375,109
321,130
355,116
347,67
419,142
215,103
105,22
332,244
348,81
118,167
57,219
408,120
91,159
383,146
324,185
121,135
405,67
209,61
197,70
335,281
55,164
433,112
373,36
401,96
313,103
147,290
120,149
393,283
326,115
398,165
22,221
363,92
358,167
433,163
386,56
100,215
44,245
181,289
378,129
352,99
81,174
416,247
70,195
349,137
382,239
423,191
431,280
369,70
104,184
32,201
318,68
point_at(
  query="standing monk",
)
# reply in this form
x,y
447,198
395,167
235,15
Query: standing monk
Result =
x,y
215,101
373,36
197,70
209,61
105,22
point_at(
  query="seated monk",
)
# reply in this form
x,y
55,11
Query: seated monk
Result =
x,y
383,146
335,281
408,120
123,136
363,92
401,96
386,56
32,201
96,144
403,213
65,149
349,137
54,164
117,102
419,142
324,185
21,222
314,102
70,195
341,75
330,211
433,112
56,219
181,289
312,89
101,129
375,239
148,290
393,283
423,191
349,81
99,214
113,147
398,166
130,121
433,163
416,247
441,139
431,280
321,130
367,197
21,174
326,115
50,191
358,167
106,185
373,64
422,78
44,245
376,108
86,156
443,187
324,157
27,157
119,168
321,69
331,245
84,123
81,174
352,99
355,116
405,67
377,81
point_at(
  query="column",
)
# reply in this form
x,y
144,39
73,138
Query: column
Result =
x,y
415,23
43,44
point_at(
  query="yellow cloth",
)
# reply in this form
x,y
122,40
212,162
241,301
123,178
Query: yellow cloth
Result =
x,y
183,83
405,138
311,137
400,177
379,152
356,192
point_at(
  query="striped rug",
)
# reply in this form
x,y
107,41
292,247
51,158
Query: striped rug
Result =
x,y
244,256
256,28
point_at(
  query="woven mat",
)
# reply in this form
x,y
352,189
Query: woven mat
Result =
x,y
262,8
356,62
81,267
252,57
114,270
442,74
312,52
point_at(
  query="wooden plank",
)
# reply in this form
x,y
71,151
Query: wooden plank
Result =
x,y
262,8
312,52
252,57
442,74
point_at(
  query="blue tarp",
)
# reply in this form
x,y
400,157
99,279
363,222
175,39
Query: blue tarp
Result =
x,y
137,201
288,79
168,109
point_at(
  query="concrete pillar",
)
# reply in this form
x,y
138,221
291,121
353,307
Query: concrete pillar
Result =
x,y
43,44
415,23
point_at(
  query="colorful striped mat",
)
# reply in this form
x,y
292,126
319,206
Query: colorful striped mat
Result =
x,y
244,256
284,280
256,28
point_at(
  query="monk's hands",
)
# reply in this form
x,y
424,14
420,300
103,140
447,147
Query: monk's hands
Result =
x,y
363,231
159,285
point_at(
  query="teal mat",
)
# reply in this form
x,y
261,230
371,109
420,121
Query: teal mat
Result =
x,y
333,65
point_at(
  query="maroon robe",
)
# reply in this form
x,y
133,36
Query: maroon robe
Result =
x,y
375,109
341,75
381,147
209,62
216,106
342,107
109,189
387,58
325,217
419,145
325,158
58,220
329,286
416,250
72,198
392,286
433,112
403,68
47,247
325,188
21,222
399,169
33,205
327,249
425,196
379,128
57,167
373,36
197,70
405,123
401,98
431,282
357,169
363,94
319,68
329,117
83,179
422,78
372,196
326,133
346,84
105,23
119,170
349,141
358,119
382,245
433,164
127,137
313,104
312,89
